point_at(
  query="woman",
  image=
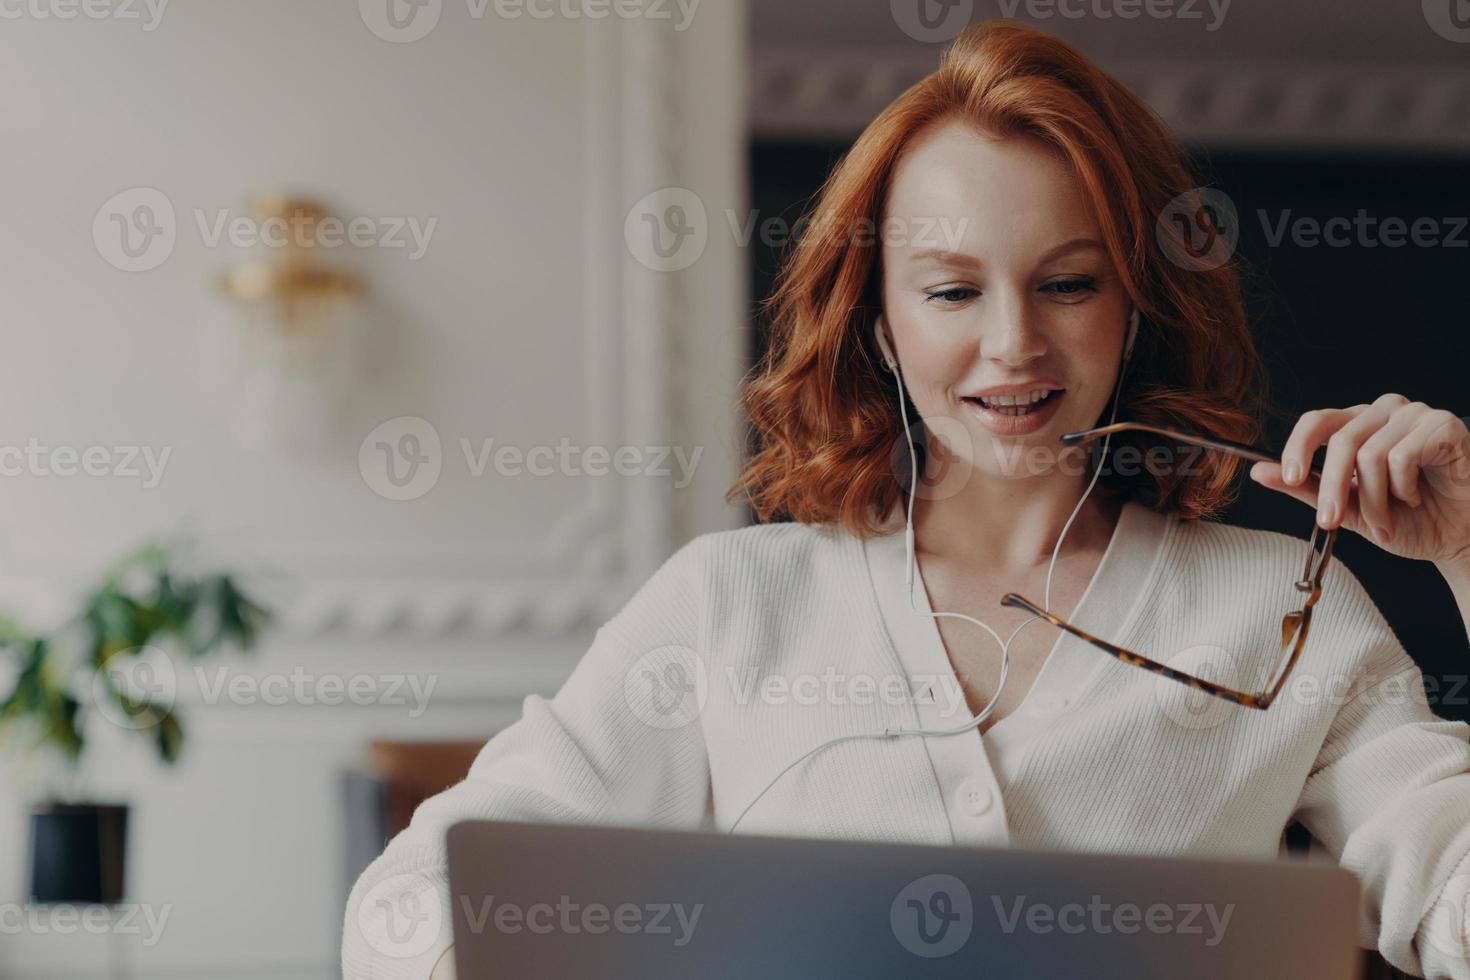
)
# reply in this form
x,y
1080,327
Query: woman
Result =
x,y
986,258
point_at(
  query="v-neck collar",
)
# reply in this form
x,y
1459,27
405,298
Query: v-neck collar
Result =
x,y
1107,605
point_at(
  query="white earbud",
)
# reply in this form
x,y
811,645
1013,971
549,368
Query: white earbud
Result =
x,y
890,362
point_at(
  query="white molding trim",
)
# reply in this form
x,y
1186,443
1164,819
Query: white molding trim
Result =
x,y
590,561
596,555
809,92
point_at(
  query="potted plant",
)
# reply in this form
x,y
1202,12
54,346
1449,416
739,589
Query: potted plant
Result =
x,y
111,658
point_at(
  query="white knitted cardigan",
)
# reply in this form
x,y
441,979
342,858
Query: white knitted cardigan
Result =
x,y
748,647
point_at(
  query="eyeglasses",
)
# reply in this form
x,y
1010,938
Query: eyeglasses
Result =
x,y
1294,625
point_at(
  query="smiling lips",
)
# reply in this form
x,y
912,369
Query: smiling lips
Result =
x,y
1018,404
1016,409
1016,400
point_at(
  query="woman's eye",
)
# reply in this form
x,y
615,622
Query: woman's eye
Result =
x,y
954,294
1071,287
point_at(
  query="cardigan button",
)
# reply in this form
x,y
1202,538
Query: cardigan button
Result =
x,y
974,797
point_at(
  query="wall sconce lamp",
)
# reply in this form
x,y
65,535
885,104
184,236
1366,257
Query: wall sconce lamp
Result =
x,y
293,352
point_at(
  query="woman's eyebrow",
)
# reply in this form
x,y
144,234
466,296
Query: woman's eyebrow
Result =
x,y
945,257
965,261
1075,245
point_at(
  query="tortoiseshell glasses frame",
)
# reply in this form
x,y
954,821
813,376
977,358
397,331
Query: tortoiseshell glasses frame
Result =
x,y
1295,625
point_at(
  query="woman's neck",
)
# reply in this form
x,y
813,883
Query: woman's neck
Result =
x,y
1013,523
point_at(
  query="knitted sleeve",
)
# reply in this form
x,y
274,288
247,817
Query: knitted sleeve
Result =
x,y
1389,797
619,743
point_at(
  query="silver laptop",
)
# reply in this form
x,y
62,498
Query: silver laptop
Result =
x,y
563,901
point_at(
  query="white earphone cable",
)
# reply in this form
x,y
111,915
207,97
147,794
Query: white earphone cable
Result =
x,y
910,560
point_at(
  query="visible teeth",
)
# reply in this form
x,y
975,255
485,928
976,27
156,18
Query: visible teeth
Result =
x,y
1028,398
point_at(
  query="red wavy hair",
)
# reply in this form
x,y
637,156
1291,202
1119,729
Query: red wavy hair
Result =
x,y
825,420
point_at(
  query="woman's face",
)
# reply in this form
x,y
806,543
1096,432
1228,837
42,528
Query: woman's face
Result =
x,y
1005,311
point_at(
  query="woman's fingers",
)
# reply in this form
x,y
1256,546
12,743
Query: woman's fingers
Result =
x,y
1342,453
1311,431
1376,478
1269,476
1418,449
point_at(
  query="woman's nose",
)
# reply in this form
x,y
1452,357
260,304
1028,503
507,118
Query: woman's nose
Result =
x,y
1012,337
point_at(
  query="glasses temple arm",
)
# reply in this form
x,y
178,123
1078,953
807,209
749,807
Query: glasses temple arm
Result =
x,y
1209,442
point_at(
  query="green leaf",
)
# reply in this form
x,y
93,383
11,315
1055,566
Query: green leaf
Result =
x,y
141,602
169,737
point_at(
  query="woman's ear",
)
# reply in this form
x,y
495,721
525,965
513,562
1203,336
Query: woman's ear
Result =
x,y
880,333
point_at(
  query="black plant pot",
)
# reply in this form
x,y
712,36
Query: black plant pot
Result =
x,y
78,853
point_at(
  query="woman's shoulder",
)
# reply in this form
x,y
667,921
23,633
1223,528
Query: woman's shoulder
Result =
x,y
768,542
1246,544
763,558
1244,561
757,564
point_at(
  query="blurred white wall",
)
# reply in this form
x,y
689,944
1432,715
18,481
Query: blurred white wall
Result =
x,y
530,319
